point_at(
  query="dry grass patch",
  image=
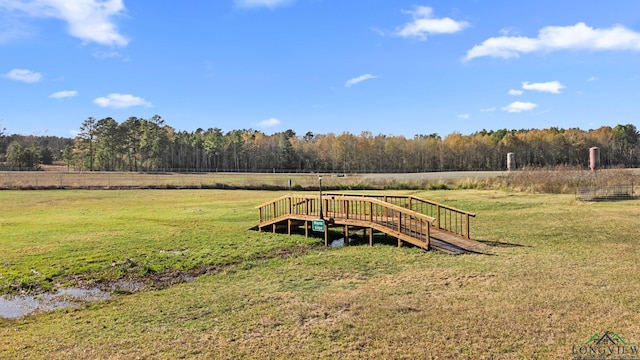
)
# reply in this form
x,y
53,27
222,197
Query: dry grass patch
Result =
x,y
560,272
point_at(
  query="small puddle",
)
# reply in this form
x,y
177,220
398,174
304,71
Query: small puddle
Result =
x,y
15,306
339,242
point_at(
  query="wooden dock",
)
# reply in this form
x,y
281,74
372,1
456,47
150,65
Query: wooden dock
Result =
x,y
410,219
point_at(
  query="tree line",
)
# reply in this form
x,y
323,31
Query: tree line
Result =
x,y
150,145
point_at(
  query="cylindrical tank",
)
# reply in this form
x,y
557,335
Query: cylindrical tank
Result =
x,y
594,158
511,161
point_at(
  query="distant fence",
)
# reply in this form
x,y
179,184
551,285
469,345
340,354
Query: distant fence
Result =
x,y
606,193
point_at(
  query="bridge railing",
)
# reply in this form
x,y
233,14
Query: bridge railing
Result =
x,y
448,218
370,210
289,205
363,211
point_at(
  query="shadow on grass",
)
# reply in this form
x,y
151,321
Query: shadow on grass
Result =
x,y
502,244
336,239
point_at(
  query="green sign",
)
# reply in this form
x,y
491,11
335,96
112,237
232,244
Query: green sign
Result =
x,y
317,225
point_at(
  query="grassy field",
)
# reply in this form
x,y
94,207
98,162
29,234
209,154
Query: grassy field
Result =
x,y
559,272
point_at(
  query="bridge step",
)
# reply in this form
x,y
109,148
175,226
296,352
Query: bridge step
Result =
x,y
455,244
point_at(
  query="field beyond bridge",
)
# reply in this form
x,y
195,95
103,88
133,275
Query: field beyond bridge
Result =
x,y
57,178
559,271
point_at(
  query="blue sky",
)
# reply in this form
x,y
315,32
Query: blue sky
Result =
x,y
389,67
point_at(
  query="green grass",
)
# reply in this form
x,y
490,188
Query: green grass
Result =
x,y
560,271
57,236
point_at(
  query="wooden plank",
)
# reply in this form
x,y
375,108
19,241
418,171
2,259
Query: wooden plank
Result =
x,y
461,242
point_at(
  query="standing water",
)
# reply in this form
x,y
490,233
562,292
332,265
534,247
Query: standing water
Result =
x,y
15,306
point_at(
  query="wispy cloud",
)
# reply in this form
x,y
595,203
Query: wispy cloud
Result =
x,y
359,79
89,20
554,87
99,54
269,122
121,101
63,94
23,75
425,24
554,38
593,78
492,109
510,31
519,106
464,116
11,28
262,3
515,92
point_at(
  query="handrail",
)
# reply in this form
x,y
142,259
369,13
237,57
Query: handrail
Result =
x,y
388,205
399,221
271,201
289,205
292,208
448,218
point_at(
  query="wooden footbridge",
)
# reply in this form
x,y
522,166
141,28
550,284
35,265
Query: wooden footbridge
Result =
x,y
410,219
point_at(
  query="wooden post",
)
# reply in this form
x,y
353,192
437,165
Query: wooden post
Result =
x,y
346,235
306,228
385,208
289,227
468,234
438,215
326,236
428,237
370,236
326,206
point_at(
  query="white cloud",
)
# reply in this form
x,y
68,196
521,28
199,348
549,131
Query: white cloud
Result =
x,y
98,54
593,78
121,101
515,92
554,38
359,79
519,106
63,94
553,87
23,75
464,116
510,31
425,24
262,3
269,122
488,109
89,20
